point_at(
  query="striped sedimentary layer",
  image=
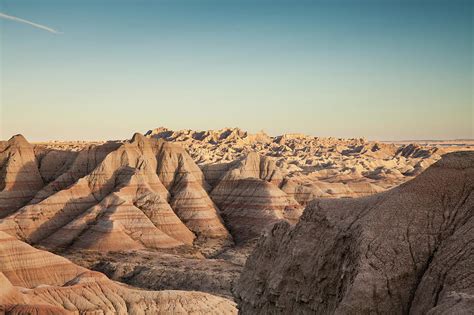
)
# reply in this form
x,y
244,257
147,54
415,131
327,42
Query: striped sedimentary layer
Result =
x,y
35,281
28,267
250,200
305,191
189,192
138,194
145,193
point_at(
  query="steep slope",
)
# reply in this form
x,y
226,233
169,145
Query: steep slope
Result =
x,y
37,281
249,198
20,178
407,250
113,198
189,197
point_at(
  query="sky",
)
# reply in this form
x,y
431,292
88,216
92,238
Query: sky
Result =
x,y
103,69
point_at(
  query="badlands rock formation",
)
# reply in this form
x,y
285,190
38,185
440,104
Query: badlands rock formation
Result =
x,y
409,250
138,194
247,193
182,210
311,167
37,282
143,193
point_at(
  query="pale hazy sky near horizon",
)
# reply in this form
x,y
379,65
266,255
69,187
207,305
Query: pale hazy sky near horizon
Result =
x,y
383,69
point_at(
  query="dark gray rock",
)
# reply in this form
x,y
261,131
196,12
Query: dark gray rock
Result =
x,y
409,250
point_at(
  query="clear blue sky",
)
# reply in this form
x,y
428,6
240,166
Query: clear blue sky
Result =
x,y
379,69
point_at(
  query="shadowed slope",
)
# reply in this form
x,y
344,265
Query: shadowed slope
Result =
x,y
20,178
408,250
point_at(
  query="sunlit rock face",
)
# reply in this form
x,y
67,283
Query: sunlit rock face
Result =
x,y
146,194
138,194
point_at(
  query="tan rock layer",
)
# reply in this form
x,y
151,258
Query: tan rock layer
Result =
x,y
119,196
35,281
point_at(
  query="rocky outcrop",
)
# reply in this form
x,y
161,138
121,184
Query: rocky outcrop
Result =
x,y
149,193
407,251
35,281
150,214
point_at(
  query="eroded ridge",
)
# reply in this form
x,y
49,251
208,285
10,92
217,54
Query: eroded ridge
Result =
x,y
142,193
311,167
407,250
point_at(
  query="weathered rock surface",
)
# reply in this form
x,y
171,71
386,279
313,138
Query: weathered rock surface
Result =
x,y
153,270
148,196
35,281
409,250
151,215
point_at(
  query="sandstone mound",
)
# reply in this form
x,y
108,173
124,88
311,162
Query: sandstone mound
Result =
x,y
35,281
249,198
139,194
407,250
